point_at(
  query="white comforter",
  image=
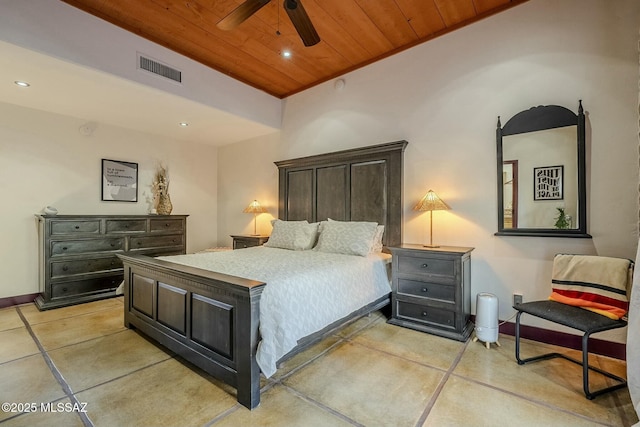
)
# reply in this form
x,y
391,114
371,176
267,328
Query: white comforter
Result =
x,y
306,290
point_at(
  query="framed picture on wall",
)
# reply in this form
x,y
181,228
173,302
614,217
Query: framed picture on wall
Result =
x,y
548,183
119,181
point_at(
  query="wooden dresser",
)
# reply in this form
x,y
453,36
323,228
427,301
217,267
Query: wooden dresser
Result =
x,y
77,253
431,289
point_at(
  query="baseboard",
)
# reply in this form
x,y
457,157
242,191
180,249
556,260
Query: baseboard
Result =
x,y
547,336
605,348
17,300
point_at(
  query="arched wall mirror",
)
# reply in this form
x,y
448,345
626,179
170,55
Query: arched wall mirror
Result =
x,y
541,173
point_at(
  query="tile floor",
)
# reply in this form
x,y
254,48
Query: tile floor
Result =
x,y
367,374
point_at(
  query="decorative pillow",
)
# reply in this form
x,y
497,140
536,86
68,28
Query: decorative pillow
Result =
x,y
294,235
346,237
595,283
376,245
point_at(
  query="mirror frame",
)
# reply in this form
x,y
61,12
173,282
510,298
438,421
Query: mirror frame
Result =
x,y
536,119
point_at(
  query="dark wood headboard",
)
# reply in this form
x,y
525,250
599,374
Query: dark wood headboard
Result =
x,y
362,184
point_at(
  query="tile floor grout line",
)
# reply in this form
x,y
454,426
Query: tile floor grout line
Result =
x,y
322,406
615,396
398,356
534,401
271,383
86,421
68,317
349,340
85,341
440,386
223,415
125,375
310,361
339,339
280,381
362,328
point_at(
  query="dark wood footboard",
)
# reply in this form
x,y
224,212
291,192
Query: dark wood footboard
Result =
x,y
209,319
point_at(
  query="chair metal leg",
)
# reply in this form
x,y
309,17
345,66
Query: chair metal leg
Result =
x,y
534,358
520,362
585,373
585,364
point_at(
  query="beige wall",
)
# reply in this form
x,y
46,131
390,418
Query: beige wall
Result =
x,y
444,98
44,160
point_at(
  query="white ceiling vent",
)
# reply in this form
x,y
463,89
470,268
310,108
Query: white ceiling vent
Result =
x,y
159,68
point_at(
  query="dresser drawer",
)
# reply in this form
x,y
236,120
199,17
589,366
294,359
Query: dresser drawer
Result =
x,y
426,314
83,266
156,242
427,290
126,226
70,247
79,287
168,225
244,243
424,265
75,227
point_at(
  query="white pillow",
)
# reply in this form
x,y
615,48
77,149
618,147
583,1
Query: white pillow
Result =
x,y
294,235
376,245
346,237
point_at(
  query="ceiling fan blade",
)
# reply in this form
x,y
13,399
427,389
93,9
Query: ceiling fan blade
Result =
x,y
301,21
240,14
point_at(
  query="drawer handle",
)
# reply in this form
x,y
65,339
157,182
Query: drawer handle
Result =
x,y
166,225
126,226
425,290
424,314
65,268
139,243
424,265
64,248
64,289
77,227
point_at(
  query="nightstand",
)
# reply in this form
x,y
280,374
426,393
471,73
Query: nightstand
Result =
x,y
247,241
431,290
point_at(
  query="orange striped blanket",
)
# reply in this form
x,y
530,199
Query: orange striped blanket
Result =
x,y
596,283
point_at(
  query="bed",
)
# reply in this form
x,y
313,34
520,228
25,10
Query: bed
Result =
x,y
210,313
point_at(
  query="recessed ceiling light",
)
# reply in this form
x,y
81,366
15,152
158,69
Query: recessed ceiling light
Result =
x,y
21,83
183,124
286,53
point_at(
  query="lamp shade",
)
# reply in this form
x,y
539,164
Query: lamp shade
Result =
x,y
431,202
254,208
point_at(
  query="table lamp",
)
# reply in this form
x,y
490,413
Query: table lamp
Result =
x,y
254,208
431,202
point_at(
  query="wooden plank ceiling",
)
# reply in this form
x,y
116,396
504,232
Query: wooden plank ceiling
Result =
x,y
353,33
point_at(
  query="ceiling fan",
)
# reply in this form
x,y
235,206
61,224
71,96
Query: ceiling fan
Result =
x,y
296,12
